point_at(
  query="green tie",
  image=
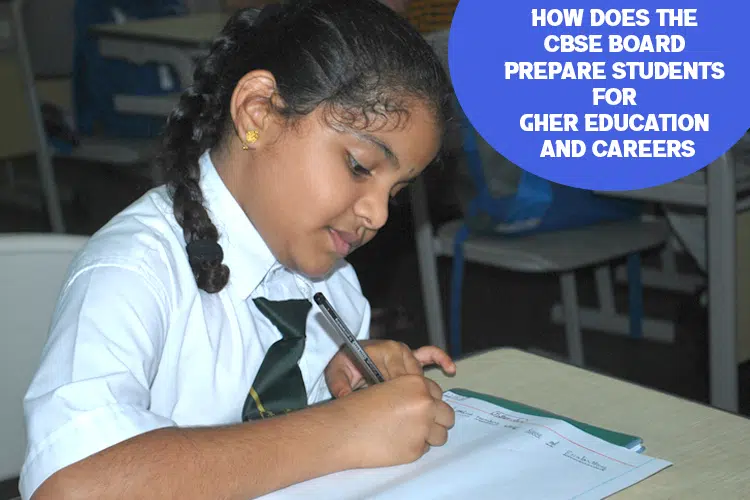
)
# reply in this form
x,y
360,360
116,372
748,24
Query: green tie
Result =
x,y
278,386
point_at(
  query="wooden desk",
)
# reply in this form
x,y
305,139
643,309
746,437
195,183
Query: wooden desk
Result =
x,y
710,448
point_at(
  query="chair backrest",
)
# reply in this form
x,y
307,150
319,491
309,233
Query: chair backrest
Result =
x,y
32,270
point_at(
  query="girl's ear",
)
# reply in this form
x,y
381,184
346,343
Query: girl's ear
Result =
x,y
252,110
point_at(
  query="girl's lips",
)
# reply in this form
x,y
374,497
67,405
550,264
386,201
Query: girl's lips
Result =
x,y
340,244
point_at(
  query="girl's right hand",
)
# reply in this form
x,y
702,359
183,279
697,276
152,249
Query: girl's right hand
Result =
x,y
395,422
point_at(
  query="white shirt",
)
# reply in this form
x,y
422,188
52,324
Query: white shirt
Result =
x,y
135,345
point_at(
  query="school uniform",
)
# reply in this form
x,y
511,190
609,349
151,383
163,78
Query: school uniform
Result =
x,y
136,346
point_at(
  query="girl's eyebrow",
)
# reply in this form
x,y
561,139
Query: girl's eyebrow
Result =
x,y
382,146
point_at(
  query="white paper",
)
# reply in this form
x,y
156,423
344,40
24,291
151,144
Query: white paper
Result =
x,y
495,453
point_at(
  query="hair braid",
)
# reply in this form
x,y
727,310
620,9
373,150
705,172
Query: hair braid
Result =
x,y
195,125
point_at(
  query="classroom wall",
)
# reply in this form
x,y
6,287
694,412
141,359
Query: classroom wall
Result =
x,y
49,31
15,124
16,136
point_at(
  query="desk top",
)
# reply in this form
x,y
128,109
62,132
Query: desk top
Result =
x,y
194,30
710,449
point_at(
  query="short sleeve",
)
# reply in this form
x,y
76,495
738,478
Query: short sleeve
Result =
x,y
91,390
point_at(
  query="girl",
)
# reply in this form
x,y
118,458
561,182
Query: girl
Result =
x,y
185,323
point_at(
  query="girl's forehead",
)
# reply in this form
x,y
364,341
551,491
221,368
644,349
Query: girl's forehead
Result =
x,y
402,120
414,132
383,117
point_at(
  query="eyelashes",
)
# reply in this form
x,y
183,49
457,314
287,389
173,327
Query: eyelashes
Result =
x,y
360,172
401,196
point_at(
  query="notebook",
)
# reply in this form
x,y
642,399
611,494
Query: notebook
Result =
x,y
500,449
628,441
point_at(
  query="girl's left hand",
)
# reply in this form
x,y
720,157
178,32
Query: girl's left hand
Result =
x,y
394,359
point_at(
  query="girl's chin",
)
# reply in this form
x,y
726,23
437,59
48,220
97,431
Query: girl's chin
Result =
x,y
320,270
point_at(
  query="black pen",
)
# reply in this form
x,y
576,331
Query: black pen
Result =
x,y
366,364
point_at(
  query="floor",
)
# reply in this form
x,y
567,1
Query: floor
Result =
x,y
500,308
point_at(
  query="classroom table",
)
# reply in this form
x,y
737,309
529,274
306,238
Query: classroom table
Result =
x,y
709,447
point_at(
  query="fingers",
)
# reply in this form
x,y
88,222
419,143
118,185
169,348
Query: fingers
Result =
x,y
444,420
341,379
438,435
445,417
432,355
339,386
411,364
435,390
395,359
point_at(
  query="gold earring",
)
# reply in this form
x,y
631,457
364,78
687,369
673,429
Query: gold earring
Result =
x,y
252,136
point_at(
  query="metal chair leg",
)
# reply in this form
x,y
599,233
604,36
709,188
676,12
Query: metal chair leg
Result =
x,y
573,334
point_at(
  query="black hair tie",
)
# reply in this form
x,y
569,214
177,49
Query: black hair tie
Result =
x,y
205,250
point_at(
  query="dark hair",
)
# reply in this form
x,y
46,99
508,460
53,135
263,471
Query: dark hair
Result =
x,y
357,58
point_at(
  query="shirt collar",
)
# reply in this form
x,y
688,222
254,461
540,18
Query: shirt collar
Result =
x,y
245,253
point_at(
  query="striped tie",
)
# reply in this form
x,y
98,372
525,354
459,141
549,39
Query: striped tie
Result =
x,y
278,387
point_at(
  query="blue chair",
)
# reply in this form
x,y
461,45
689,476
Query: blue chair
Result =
x,y
561,252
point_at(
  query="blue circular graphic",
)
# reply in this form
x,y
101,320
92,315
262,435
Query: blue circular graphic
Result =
x,y
671,100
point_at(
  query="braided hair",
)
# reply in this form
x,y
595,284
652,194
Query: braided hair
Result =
x,y
357,58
